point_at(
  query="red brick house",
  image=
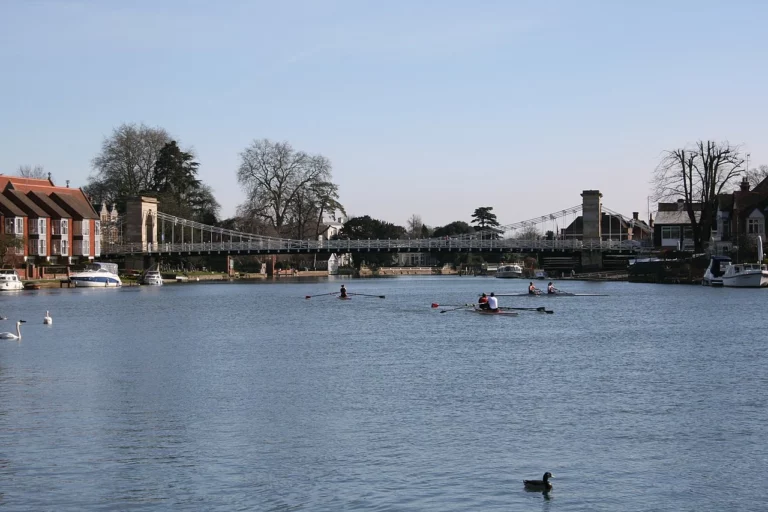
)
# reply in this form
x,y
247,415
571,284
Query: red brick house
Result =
x,y
58,224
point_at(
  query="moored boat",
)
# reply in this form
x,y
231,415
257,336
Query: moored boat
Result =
x,y
713,276
747,275
9,281
151,278
512,271
97,275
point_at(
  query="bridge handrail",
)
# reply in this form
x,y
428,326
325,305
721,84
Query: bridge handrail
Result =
x,y
399,245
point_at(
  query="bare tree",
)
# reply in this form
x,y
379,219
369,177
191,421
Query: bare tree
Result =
x,y
274,174
528,233
756,176
125,165
697,175
414,225
28,171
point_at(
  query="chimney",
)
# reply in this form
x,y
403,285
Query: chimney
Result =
x,y
680,205
650,220
744,186
636,215
67,183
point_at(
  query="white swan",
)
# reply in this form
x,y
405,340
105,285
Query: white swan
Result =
x,y
10,335
47,319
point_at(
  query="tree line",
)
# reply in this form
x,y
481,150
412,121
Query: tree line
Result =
x,y
289,193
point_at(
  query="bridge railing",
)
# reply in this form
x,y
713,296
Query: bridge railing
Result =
x,y
400,245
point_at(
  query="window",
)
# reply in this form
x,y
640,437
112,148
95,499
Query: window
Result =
x,y
97,228
688,233
670,232
37,227
64,245
64,227
19,225
85,247
755,226
37,247
86,229
97,247
10,222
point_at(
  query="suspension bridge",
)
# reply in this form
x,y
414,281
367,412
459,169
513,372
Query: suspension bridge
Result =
x,y
144,231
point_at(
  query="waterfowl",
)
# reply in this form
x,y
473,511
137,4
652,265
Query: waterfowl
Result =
x,y
10,335
539,485
47,318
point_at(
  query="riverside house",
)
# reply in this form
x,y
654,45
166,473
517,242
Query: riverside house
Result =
x,y
58,225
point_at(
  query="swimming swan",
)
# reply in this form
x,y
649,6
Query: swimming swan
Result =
x,y
47,319
10,335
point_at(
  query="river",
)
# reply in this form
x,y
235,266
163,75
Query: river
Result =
x,y
233,396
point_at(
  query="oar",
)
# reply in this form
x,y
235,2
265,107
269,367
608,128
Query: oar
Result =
x,y
454,309
436,305
541,309
367,295
320,295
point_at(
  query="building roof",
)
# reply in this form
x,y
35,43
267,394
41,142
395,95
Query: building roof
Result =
x,y
77,208
48,204
24,203
676,217
75,197
9,209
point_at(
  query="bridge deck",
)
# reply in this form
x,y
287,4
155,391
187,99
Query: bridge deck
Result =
x,y
283,246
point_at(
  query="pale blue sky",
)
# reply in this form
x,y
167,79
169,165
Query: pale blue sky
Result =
x,y
433,108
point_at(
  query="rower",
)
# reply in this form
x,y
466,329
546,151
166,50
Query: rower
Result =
x,y
532,289
343,292
483,302
493,303
551,290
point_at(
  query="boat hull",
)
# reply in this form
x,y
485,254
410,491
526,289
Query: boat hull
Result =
x,y
747,280
95,282
500,312
11,287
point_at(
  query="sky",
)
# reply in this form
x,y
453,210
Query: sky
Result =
x,y
423,107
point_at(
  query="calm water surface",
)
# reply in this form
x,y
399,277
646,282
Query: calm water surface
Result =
x,y
249,397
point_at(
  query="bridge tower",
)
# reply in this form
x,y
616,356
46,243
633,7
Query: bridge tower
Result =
x,y
140,226
591,228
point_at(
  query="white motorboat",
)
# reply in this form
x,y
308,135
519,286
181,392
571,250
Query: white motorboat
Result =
x,y
510,271
152,278
97,275
747,275
9,280
713,276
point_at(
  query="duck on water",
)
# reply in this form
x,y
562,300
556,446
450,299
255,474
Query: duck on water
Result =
x,y
539,485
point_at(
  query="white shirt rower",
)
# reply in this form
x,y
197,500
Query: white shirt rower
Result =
x,y
493,303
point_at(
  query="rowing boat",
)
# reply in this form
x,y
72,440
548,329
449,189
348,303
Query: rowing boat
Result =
x,y
503,312
558,294
344,298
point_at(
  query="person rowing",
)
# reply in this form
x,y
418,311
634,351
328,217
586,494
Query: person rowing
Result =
x,y
482,303
532,290
343,292
493,304
551,290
